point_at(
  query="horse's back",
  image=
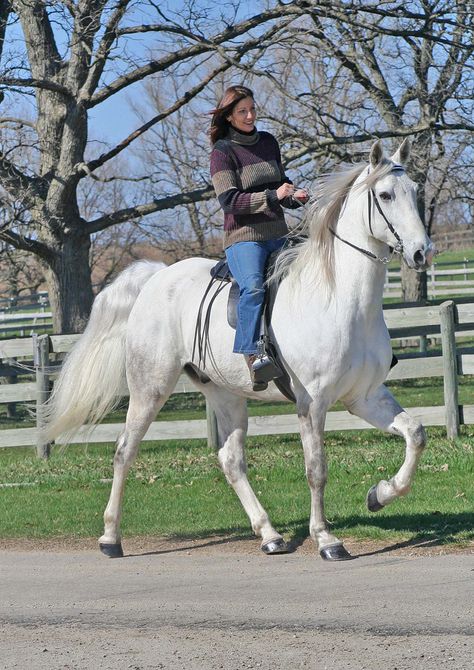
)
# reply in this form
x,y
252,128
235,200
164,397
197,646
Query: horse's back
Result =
x,y
168,305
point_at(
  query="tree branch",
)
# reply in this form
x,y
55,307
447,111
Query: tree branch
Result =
x,y
87,168
111,33
5,9
157,205
202,46
18,183
44,84
27,244
43,55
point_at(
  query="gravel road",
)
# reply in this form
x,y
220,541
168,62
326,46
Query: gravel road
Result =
x,y
192,608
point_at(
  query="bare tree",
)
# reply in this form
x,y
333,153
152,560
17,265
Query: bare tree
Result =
x,y
341,72
353,72
69,58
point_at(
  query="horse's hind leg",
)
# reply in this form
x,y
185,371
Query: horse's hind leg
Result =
x,y
231,414
384,412
144,404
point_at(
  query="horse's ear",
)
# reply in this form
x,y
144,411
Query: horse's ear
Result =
x,y
402,154
376,154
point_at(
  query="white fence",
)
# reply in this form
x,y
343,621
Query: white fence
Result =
x,y
441,281
446,320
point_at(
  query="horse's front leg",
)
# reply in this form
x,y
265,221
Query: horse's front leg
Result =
x,y
312,436
383,411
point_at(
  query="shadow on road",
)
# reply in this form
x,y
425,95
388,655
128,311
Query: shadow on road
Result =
x,y
428,530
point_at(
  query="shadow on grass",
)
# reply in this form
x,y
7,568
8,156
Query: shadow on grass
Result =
x,y
426,530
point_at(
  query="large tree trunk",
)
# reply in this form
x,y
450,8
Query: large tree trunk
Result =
x,y
414,284
69,285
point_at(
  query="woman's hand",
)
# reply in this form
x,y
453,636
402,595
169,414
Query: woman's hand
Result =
x,y
301,195
284,191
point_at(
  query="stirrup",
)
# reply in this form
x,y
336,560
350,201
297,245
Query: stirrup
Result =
x,y
265,369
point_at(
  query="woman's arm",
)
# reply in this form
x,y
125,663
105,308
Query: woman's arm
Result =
x,y
231,199
296,197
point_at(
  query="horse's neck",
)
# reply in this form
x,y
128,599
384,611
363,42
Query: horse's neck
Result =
x,y
359,278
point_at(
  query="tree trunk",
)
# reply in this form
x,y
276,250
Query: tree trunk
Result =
x,y
414,284
69,285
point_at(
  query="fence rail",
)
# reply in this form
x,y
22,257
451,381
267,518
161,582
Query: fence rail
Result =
x,y
454,239
440,282
446,320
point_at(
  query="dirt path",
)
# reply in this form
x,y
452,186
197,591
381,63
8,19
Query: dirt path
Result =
x,y
209,605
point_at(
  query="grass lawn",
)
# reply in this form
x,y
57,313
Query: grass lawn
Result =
x,y
176,489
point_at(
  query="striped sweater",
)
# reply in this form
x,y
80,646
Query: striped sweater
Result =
x,y
246,170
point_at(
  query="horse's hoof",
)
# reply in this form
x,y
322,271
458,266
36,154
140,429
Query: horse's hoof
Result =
x,y
335,552
373,504
111,550
278,546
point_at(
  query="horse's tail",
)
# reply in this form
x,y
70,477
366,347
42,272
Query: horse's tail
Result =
x,y
92,379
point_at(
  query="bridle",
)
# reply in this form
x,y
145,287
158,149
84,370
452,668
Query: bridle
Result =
x,y
371,201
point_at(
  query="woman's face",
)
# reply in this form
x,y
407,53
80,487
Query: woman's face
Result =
x,y
243,115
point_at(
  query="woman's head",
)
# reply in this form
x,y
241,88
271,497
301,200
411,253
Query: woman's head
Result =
x,y
236,108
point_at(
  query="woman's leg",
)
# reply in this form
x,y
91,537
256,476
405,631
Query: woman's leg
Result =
x,y
247,261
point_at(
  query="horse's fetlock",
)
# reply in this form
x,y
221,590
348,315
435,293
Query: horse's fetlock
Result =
x,y
259,523
404,490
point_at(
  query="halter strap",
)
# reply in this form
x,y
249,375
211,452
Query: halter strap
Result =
x,y
385,260
372,199
389,225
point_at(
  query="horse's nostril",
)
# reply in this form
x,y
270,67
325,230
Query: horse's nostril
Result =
x,y
419,258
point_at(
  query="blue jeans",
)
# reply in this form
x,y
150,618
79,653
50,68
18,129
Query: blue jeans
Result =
x,y
247,262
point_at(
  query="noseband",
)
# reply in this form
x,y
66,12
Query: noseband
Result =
x,y
371,201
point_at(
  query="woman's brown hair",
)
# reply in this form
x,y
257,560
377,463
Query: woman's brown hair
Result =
x,y
219,123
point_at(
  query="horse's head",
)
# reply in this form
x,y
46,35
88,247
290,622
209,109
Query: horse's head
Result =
x,y
392,211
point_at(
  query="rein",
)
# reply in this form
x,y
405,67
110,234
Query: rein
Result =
x,y
371,200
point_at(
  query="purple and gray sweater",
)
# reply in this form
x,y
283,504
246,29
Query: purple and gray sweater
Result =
x,y
246,170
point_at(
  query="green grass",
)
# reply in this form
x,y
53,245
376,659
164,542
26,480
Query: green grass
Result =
x,y
176,489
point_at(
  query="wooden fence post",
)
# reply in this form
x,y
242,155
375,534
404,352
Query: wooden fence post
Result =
x,y
41,362
212,435
448,344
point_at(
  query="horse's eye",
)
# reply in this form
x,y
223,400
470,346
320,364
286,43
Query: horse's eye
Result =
x,y
385,196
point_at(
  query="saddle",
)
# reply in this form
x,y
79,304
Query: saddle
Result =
x,y
220,277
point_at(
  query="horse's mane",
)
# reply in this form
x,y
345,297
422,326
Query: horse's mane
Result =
x,y
316,252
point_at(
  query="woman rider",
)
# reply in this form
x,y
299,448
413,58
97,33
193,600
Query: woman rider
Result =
x,y
251,187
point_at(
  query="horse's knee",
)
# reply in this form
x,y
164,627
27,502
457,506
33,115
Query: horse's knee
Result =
x,y
417,435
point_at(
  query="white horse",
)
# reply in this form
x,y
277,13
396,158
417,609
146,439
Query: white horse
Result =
x,y
327,324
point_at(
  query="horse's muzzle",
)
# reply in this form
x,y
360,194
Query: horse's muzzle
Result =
x,y
422,258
